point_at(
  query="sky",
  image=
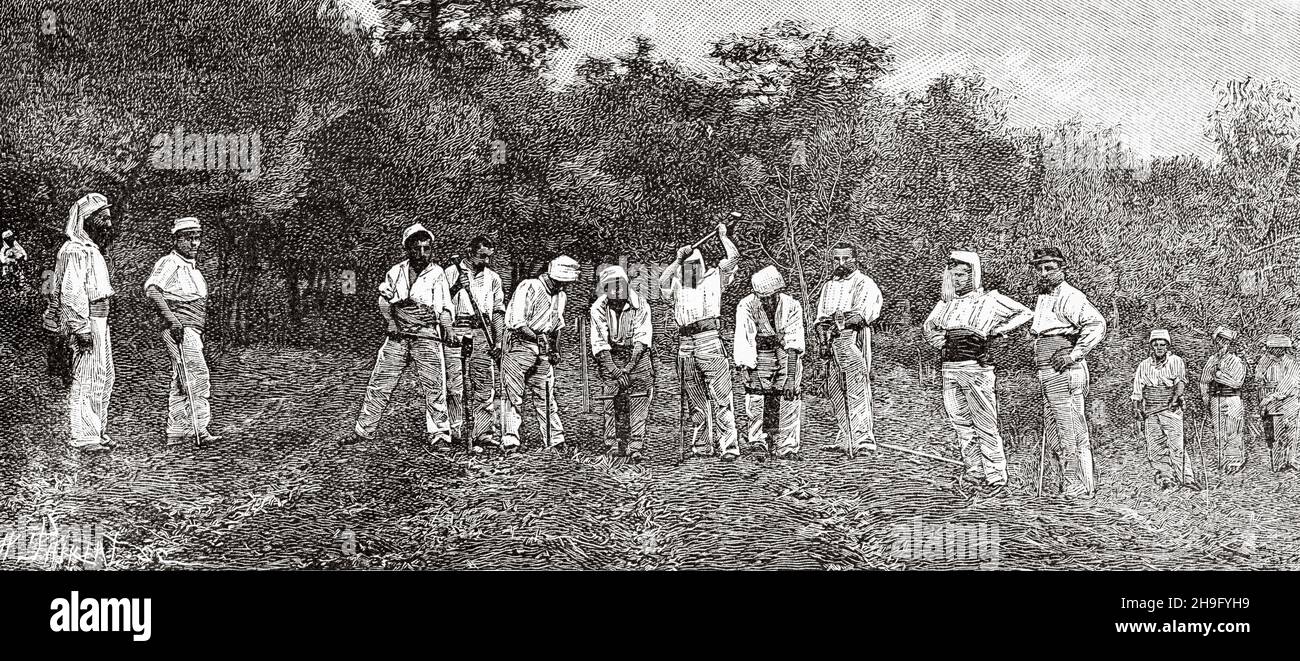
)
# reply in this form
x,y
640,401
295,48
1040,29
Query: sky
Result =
x,y
1147,66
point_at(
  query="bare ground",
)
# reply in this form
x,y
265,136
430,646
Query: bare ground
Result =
x,y
279,492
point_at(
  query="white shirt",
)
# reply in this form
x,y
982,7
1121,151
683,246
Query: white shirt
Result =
x,y
178,277
633,325
751,315
84,279
704,301
1168,374
429,288
487,289
534,307
1067,311
855,293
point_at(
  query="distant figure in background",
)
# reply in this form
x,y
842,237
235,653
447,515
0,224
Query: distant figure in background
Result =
x,y
622,332
695,292
480,330
849,303
415,301
84,291
768,343
1278,375
1221,381
1066,328
534,319
179,292
12,256
960,326
1158,385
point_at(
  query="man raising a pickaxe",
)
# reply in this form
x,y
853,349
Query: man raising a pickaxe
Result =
x,y
1158,386
704,376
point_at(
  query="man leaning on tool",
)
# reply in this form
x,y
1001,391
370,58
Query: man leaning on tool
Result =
x,y
1278,374
768,343
960,326
179,292
849,302
534,319
416,304
82,300
1066,328
622,333
695,293
1158,385
480,328
1221,381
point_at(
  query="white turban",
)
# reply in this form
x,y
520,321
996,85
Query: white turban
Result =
x,y
1225,332
1159,334
767,281
77,215
610,274
563,269
1276,341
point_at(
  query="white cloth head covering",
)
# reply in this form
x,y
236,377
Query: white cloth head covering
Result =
x,y
1225,332
563,269
696,256
187,223
7,234
1159,334
767,281
610,274
77,215
949,291
1276,341
412,231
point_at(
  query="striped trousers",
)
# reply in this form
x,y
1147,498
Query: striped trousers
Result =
x,y
707,382
773,420
1165,448
631,404
430,371
1066,427
849,389
179,421
970,399
524,368
482,384
92,386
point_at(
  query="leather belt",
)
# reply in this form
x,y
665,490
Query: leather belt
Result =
x,y
697,327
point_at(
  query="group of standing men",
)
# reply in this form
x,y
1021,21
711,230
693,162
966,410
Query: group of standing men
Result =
x,y
458,329
465,339
77,313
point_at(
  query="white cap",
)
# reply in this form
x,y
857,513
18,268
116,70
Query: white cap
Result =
x,y
1159,334
1225,332
1276,341
563,269
182,224
412,231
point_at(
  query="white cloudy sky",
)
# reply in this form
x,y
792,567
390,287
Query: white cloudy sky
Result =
x,y
1147,65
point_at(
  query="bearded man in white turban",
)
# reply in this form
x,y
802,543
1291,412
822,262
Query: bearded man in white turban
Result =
x,y
534,319
622,333
79,307
768,344
961,326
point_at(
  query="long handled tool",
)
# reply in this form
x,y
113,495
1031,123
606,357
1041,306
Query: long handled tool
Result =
x,y
189,389
1042,456
681,409
493,364
466,416
899,448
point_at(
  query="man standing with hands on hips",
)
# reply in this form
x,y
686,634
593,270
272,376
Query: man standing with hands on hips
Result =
x,y
1066,328
179,292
